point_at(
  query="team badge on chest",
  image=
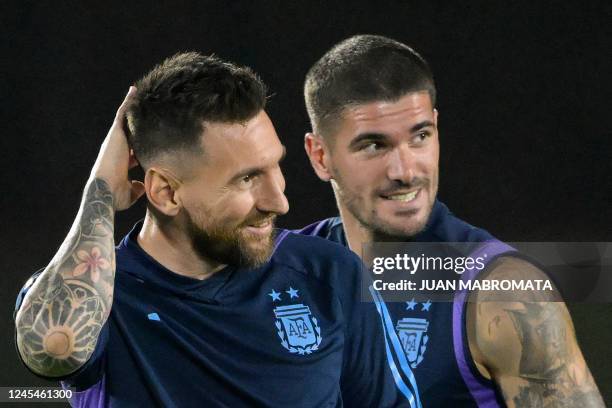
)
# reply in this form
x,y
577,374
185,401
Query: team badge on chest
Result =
x,y
298,329
412,333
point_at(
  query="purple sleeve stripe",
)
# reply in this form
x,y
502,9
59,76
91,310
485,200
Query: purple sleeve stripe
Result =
x,y
94,396
318,228
279,238
484,395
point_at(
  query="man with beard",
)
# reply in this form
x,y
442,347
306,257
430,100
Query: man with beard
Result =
x,y
209,306
371,102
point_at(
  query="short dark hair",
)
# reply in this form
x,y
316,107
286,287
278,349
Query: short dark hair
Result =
x,y
362,69
173,101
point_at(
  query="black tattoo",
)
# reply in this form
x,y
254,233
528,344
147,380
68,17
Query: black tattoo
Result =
x,y
61,317
550,370
543,339
495,321
549,380
72,317
534,397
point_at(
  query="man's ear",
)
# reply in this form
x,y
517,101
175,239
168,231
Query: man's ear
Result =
x,y
319,156
161,189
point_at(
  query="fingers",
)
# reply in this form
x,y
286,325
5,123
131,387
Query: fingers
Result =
x,y
137,190
133,161
121,111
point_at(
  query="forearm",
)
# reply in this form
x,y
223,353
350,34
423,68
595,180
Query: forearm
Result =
x,y
61,316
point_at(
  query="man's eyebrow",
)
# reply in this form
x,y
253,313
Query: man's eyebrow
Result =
x,y
375,136
369,136
421,125
256,170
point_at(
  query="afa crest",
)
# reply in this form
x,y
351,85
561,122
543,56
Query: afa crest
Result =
x,y
413,338
298,329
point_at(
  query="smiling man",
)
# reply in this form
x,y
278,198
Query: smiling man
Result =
x,y
394,200
371,102
202,303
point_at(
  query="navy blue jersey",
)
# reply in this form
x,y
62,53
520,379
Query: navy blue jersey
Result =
x,y
291,333
432,335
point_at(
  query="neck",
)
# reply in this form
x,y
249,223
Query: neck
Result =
x,y
356,233
171,247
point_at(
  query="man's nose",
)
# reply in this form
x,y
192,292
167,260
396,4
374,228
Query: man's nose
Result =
x,y
272,197
401,164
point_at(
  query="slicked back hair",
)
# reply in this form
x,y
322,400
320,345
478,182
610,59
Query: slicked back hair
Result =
x,y
362,69
173,101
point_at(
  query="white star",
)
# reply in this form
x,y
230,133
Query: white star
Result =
x,y
410,305
426,306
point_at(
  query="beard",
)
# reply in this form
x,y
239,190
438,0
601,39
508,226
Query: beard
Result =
x,y
231,245
381,229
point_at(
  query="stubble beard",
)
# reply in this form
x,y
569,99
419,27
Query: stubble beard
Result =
x,y
379,229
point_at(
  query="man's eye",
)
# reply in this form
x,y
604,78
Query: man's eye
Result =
x,y
421,136
371,147
248,179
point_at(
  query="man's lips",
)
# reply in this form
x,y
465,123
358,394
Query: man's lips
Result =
x,y
405,196
261,226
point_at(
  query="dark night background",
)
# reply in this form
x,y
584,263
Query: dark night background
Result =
x,y
524,91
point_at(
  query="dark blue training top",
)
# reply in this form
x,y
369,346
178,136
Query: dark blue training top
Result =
x,y
292,333
432,335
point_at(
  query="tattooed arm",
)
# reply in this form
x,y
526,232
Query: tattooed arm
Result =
x,y
61,316
527,344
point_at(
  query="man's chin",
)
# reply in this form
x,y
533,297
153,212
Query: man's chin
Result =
x,y
256,251
398,228
255,258
237,249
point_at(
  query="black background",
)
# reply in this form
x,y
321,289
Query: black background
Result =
x,y
524,91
